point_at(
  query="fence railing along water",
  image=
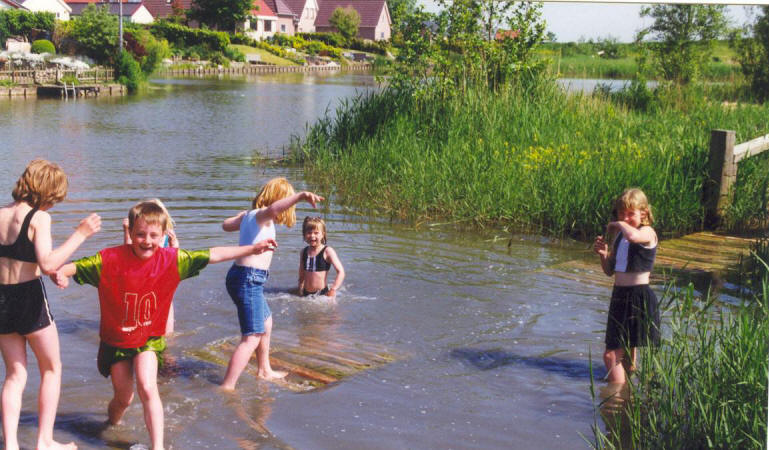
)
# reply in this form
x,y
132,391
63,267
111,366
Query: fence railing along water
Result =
x,y
724,159
52,76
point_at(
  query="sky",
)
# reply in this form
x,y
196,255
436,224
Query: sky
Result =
x,y
572,21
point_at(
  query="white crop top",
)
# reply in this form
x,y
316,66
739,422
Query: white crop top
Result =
x,y
251,232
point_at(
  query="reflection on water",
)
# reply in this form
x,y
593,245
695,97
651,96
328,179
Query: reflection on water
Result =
x,y
615,401
450,301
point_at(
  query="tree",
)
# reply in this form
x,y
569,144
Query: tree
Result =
x,y
399,11
222,15
683,37
753,54
493,13
96,32
346,21
18,22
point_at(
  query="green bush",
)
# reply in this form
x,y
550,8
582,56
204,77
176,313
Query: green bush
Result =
x,y
43,46
128,71
280,40
17,22
333,39
182,36
96,32
148,50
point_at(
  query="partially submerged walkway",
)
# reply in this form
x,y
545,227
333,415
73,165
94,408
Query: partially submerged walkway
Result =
x,y
699,254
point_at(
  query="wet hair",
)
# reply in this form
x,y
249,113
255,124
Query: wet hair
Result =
x,y
42,183
634,198
151,212
276,189
314,223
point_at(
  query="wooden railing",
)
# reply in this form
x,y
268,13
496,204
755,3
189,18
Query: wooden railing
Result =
x,y
724,157
52,76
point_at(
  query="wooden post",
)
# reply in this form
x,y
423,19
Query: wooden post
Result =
x,y
721,176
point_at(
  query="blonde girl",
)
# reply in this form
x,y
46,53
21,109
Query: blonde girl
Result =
x,y
26,251
275,203
634,318
169,240
316,259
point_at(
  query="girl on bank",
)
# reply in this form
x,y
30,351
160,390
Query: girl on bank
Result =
x,y
634,318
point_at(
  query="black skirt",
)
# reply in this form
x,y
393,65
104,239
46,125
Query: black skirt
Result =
x,y
634,318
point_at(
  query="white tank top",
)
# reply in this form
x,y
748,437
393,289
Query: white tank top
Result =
x,y
251,232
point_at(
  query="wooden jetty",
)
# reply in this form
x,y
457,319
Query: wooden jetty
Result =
x,y
311,362
708,254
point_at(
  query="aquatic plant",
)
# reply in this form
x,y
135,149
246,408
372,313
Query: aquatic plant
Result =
x,y
529,156
706,386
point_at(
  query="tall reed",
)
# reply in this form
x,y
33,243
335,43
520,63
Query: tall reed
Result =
x,y
530,156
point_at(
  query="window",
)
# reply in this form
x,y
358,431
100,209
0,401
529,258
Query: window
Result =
x,y
268,25
283,28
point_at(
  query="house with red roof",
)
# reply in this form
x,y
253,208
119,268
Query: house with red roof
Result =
x,y
286,17
375,22
262,21
306,12
160,9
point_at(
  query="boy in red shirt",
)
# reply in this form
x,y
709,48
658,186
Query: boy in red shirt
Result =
x,y
136,284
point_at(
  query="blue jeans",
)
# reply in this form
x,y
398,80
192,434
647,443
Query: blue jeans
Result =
x,y
246,288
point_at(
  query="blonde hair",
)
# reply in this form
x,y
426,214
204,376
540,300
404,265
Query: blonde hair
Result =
x,y
312,223
634,198
276,189
42,183
153,212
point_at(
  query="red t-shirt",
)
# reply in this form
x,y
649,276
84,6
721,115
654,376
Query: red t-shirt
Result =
x,y
135,295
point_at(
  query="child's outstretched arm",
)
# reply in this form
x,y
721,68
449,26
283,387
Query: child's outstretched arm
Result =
x,y
220,254
333,258
61,276
233,223
50,259
283,204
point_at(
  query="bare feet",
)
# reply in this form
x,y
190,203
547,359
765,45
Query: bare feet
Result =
x,y
272,374
57,446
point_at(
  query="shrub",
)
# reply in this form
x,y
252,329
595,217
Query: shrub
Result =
x,y
148,50
182,36
333,39
96,32
17,22
128,71
43,46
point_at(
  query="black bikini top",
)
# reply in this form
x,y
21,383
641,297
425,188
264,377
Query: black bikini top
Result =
x,y
315,263
23,249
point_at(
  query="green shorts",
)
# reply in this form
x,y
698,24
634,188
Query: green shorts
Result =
x,y
109,355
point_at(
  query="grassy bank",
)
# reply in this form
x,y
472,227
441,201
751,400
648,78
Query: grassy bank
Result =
x,y
533,158
706,385
620,61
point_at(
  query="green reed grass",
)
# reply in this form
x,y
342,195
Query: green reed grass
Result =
x,y
531,157
706,385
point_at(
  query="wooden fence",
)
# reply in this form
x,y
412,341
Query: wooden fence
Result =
x,y
52,76
724,159
262,68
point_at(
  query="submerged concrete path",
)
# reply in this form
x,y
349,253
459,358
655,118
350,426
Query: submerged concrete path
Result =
x,y
703,254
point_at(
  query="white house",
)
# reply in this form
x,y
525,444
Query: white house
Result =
x,y
134,12
262,22
306,12
60,8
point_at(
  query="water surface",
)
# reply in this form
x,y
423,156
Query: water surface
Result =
x,y
492,353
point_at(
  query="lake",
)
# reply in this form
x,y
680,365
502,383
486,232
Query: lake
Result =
x,y
490,351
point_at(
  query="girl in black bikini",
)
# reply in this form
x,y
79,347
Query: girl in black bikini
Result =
x,y
316,259
26,251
